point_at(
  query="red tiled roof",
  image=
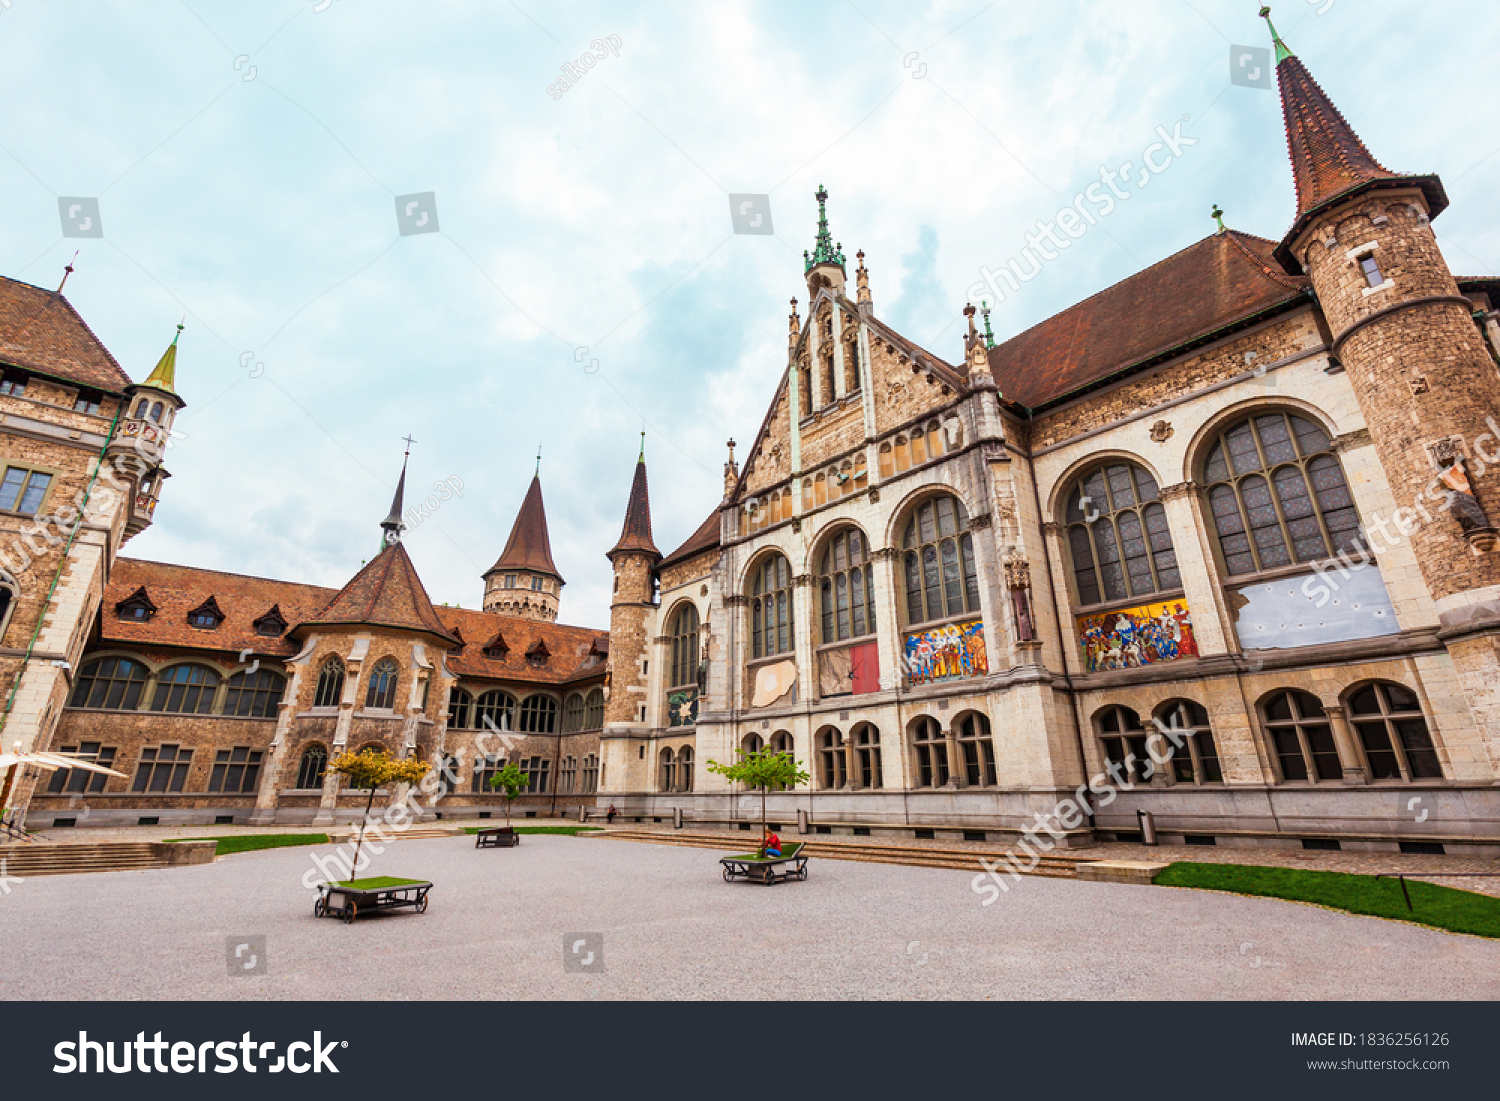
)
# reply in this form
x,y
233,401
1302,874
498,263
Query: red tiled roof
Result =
x,y
386,593
528,547
635,535
1207,286
176,590
705,538
569,648
41,332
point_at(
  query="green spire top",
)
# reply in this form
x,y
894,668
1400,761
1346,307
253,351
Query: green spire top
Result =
x,y
824,250
1218,216
1282,51
989,336
164,377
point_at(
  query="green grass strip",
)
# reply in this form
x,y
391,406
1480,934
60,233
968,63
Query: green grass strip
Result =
x,y
378,883
1440,907
561,831
250,842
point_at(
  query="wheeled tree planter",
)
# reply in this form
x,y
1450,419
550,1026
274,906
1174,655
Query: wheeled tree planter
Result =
x,y
366,896
764,869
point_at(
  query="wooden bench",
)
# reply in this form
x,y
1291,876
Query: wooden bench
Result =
x,y
497,837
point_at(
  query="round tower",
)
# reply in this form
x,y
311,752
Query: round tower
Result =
x,y
524,581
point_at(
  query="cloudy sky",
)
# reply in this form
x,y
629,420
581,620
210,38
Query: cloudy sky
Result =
x,y
247,160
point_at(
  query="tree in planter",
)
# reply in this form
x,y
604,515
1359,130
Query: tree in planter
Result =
x,y
509,781
374,769
764,769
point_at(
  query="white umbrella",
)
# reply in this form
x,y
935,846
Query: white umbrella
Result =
x,y
53,761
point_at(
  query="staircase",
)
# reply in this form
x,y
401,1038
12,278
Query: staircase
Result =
x,y
1053,865
416,833
67,858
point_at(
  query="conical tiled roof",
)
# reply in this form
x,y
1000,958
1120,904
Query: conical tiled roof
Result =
x,y
635,535
164,377
529,547
386,593
1329,161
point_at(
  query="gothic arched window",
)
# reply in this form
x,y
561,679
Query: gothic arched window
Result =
x,y
684,632
771,608
380,693
311,768
1277,494
573,713
593,710
938,562
330,684
1117,535
846,586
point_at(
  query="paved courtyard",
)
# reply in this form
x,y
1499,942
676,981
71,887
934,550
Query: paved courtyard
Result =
x,y
672,929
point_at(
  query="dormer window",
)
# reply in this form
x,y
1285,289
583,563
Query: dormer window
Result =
x,y
1371,267
495,648
206,616
272,624
13,383
538,654
137,606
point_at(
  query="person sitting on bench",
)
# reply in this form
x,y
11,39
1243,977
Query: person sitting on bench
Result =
x,y
771,844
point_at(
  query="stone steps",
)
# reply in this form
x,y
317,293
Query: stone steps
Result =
x,y
423,833
1051,865
64,858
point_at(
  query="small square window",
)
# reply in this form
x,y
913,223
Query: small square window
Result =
x,y
1371,267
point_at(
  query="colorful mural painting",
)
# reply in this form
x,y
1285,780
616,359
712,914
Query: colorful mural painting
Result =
x,y
946,653
682,707
1132,637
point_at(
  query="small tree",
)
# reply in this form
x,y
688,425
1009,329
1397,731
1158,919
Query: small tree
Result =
x,y
764,769
373,769
509,781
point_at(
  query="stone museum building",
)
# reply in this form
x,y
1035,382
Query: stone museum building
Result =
x,y
1237,513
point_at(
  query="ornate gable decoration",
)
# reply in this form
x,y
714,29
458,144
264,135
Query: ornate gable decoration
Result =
x,y
137,606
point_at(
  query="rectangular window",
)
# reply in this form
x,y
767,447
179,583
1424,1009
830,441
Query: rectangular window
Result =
x,y
13,384
23,490
536,775
88,401
235,770
162,768
1371,268
77,781
1289,753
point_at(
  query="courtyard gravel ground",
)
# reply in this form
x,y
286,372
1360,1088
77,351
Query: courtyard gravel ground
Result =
x,y
673,929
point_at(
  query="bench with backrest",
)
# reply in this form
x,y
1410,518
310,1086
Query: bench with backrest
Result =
x,y
497,837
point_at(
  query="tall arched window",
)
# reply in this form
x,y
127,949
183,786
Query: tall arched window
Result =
x,y
185,689
255,695
330,684
866,739
771,608
781,742
938,563
832,766
1302,737
460,709
1277,494
593,710
495,709
684,632
573,713
846,584
539,714
931,751
977,750
685,768
1117,535
1124,741
8,591
668,771
113,683
1196,759
1389,721
311,768
751,743
380,693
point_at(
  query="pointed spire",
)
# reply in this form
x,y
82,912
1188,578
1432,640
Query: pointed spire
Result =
x,y
731,472
529,546
1282,52
1329,161
793,329
635,534
824,250
392,526
164,377
862,277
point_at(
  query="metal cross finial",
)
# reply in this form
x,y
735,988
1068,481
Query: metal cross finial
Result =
x,y
409,442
